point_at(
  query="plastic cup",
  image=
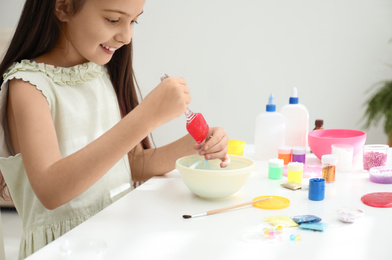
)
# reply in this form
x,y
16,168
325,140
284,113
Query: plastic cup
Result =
x,y
344,152
236,147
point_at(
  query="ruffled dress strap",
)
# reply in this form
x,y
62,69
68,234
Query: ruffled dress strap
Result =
x,y
62,76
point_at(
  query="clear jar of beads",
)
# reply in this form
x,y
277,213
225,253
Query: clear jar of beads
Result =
x,y
374,155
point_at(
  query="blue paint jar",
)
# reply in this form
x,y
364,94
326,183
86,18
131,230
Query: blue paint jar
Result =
x,y
316,189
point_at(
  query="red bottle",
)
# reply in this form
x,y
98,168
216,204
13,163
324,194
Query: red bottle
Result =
x,y
196,126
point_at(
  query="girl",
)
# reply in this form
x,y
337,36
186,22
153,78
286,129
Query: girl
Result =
x,y
72,128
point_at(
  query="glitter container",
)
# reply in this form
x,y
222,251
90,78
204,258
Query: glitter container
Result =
x,y
329,166
380,174
374,155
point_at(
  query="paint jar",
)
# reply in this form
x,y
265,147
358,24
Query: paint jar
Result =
x,y
344,152
328,162
298,154
275,169
316,189
374,155
284,152
294,172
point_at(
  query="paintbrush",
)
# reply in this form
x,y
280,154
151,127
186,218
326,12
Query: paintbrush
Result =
x,y
214,211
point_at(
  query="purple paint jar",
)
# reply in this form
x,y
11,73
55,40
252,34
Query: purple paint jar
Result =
x,y
298,154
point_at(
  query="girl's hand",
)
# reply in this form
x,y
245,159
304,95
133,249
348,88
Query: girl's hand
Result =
x,y
215,146
167,101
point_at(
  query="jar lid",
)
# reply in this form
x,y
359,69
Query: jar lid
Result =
x,y
295,166
275,163
284,150
376,147
299,150
329,159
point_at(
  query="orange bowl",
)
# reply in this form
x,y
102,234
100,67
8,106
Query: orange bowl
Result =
x,y
320,141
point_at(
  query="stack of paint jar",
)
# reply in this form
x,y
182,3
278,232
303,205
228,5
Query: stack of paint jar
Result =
x,y
293,158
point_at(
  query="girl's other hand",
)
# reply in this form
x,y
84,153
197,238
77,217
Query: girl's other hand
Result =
x,y
167,101
215,146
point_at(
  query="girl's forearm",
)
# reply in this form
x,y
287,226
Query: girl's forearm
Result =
x,y
159,161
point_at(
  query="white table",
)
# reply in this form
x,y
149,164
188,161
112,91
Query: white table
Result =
x,y
147,223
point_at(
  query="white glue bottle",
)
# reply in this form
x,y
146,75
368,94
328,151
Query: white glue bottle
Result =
x,y
269,132
297,122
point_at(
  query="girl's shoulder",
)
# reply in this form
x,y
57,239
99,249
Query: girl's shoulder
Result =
x,y
59,75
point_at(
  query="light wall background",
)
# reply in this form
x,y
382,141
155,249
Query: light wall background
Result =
x,y
233,54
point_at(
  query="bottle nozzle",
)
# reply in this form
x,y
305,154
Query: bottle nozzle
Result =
x,y
294,97
295,92
271,99
271,107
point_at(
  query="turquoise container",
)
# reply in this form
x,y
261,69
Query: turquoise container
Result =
x,y
275,169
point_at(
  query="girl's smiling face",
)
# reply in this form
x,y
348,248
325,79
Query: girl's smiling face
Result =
x,y
97,30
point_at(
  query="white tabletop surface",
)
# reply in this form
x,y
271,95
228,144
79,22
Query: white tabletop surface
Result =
x,y
148,224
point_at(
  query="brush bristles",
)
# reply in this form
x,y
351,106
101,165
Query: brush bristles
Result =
x,y
186,216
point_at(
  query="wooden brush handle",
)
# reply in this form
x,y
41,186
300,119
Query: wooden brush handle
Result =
x,y
214,211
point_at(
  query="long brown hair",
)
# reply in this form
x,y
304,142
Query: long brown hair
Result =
x,y
38,32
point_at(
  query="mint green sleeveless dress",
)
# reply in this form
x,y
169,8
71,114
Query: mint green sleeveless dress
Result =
x,y
83,105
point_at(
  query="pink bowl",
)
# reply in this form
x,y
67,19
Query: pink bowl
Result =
x,y
320,141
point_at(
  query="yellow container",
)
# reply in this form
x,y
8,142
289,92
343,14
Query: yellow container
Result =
x,y
236,147
294,172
